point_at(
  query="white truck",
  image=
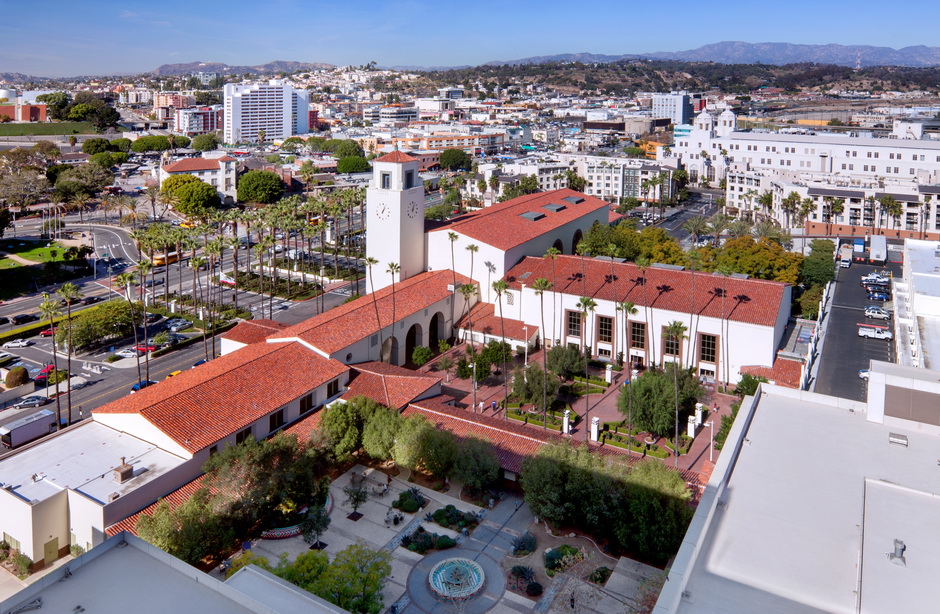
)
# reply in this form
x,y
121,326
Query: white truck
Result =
x,y
875,333
845,256
26,429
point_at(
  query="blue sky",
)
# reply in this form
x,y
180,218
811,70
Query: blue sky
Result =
x,y
62,38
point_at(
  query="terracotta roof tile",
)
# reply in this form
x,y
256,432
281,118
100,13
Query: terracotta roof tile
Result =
x,y
396,156
253,331
501,226
485,320
187,165
388,385
174,499
200,406
342,326
756,301
784,372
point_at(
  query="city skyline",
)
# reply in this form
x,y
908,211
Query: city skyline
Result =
x,y
105,38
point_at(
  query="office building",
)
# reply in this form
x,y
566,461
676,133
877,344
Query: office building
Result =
x,y
273,109
677,106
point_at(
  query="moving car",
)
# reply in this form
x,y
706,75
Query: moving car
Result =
x,y
173,374
47,332
145,347
22,318
875,333
47,369
199,362
878,296
141,385
33,401
179,325
877,313
153,317
128,353
4,320
17,343
89,300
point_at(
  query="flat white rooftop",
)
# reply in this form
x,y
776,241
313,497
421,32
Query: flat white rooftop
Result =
x,y
83,458
812,504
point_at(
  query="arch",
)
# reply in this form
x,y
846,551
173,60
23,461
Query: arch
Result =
x,y
413,339
436,331
559,246
390,351
578,235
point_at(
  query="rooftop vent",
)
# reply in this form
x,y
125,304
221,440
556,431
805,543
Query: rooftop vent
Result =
x,y
113,497
897,439
574,200
897,557
123,472
525,275
533,216
554,208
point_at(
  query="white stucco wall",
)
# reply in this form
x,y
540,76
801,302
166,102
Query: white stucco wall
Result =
x,y
140,427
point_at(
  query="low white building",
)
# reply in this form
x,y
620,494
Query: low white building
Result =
x,y
917,306
215,168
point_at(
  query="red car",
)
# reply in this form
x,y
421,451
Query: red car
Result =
x,y
47,369
48,332
143,347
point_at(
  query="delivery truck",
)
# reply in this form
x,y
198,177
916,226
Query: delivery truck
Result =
x,y
28,428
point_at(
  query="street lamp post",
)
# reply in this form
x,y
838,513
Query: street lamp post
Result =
x,y
474,383
525,328
711,438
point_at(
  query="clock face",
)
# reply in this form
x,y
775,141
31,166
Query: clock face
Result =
x,y
413,209
383,211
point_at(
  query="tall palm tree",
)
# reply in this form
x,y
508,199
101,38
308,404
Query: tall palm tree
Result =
x,y
49,309
717,224
643,263
766,202
836,208
551,253
628,309
739,228
473,249
676,332
70,294
452,237
370,262
541,285
696,226
144,267
586,305
499,287
393,269
126,281
195,263
468,290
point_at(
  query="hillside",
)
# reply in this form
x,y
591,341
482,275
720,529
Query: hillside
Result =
x,y
277,66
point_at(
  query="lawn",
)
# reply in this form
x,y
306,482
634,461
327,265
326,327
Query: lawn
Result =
x,y
11,129
37,251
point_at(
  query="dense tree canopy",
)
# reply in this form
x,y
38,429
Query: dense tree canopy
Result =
x,y
205,142
262,187
455,159
196,199
348,148
352,164
654,399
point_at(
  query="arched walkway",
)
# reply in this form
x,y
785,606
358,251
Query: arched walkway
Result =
x,y
413,339
559,246
390,351
578,235
436,331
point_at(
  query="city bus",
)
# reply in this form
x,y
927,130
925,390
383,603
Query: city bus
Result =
x,y
165,259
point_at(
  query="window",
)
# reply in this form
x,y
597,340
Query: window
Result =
x,y
242,435
306,403
574,324
409,179
276,420
638,335
374,340
386,181
670,345
14,543
708,345
605,329
332,389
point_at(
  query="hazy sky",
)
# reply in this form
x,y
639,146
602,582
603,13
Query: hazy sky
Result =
x,y
63,38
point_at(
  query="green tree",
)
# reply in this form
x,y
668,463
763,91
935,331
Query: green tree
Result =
x,y
421,355
534,386
437,451
675,332
357,493
379,433
343,424
654,398
565,361
263,187
315,524
70,293
191,531
355,579
407,449
205,142
348,148
49,309
92,177
95,146
120,144
475,463
352,164
455,159
196,199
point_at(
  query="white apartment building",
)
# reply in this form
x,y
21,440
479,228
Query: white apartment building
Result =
x,y
274,108
198,120
917,306
390,115
677,106
135,96
714,145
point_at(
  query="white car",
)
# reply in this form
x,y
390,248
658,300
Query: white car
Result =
x,y
875,333
17,343
877,313
178,326
127,353
874,278
863,373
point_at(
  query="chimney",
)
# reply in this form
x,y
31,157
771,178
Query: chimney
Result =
x,y
123,472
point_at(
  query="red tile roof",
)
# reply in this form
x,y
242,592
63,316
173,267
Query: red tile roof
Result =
x,y
784,372
346,324
306,425
755,301
253,331
501,226
485,320
188,165
174,499
396,156
201,406
388,385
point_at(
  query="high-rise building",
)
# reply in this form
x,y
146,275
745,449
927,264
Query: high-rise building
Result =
x,y
677,106
274,108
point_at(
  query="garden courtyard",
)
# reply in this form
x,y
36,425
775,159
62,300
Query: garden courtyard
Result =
x,y
492,539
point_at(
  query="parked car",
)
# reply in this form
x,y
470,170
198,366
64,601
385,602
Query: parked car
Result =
x,y
863,373
128,353
173,374
153,317
878,296
181,325
877,313
17,343
141,385
6,357
875,333
33,401
875,277
877,288
199,362
145,347
47,369
22,318
47,332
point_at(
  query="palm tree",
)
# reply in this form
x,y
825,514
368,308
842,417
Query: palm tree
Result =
x,y
836,208
473,249
766,201
790,205
586,305
452,237
748,198
696,226
739,228
541,285
643,263
144,267
69,293
499,287
468,290
628,309
393,269
370,262
551,253
676,332
717,224
49,309
72,140
126,281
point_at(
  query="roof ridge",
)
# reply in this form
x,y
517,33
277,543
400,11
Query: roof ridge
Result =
x,y
483,424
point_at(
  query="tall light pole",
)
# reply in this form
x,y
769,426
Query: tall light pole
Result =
x,y
711,438
525,328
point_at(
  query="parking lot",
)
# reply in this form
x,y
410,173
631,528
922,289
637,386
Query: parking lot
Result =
x,y
844,352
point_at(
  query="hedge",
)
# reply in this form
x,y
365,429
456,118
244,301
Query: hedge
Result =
x,y
30,330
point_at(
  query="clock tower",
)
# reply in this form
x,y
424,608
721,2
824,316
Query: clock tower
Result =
x,y
395,218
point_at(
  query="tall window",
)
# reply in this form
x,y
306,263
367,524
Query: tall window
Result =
x,y
638,335
670,344
276,420
409,179
708,345
574,323
242,435
332,389
306,403
605,329
386,181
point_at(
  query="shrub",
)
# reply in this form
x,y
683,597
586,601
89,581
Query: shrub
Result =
x,y
410,501
452,518
21,563
443,542
533,589
560,558
524,544
421,355
17,376
523,572
600,575
76,550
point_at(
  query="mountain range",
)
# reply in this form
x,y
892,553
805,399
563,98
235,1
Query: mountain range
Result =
x,y
277,66
737,52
